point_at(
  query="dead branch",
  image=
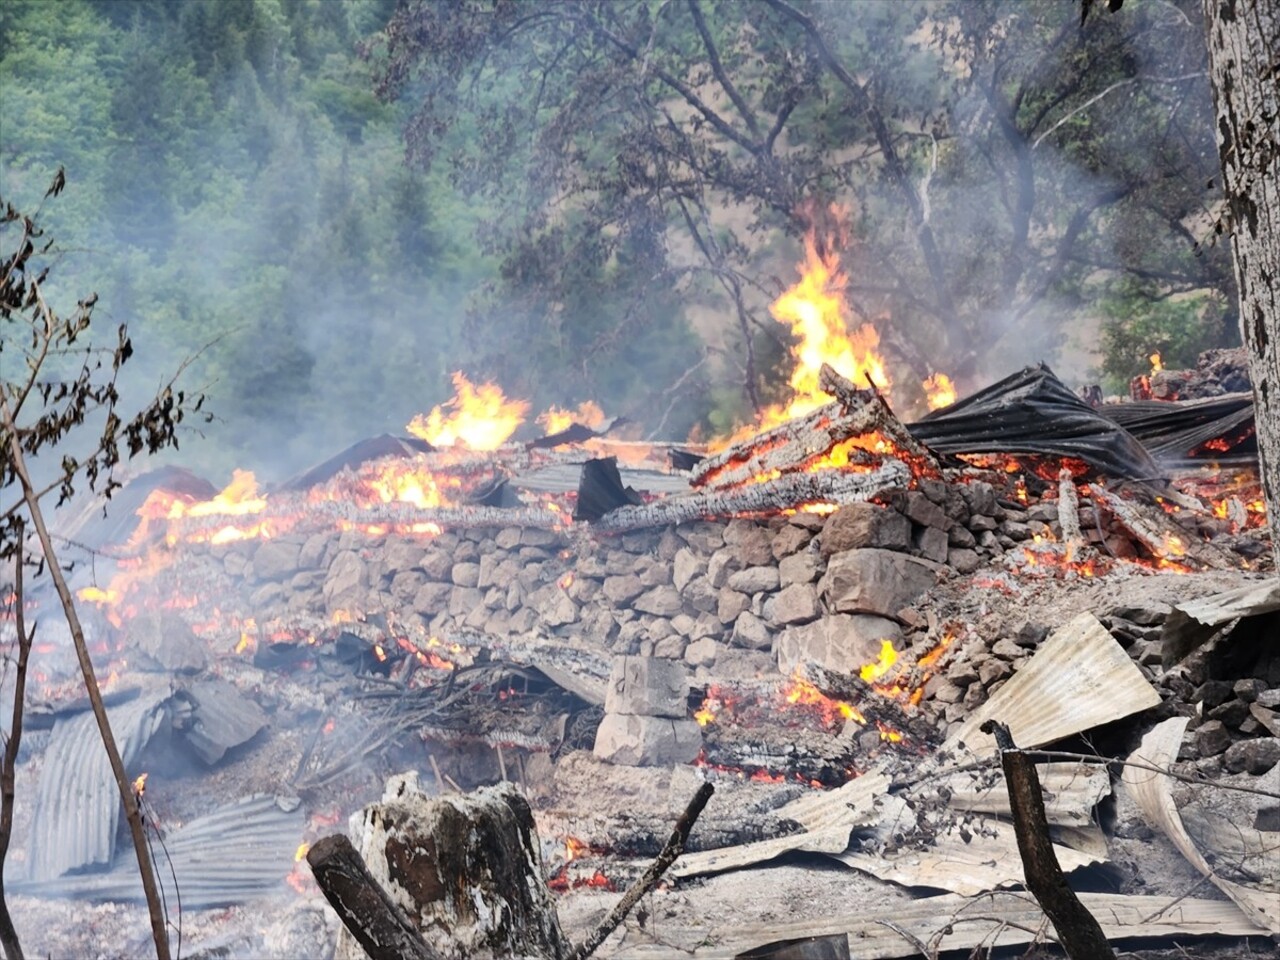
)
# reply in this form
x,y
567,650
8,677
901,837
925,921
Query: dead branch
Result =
x,y
670,853
362,905
8,933
1080,934
136,829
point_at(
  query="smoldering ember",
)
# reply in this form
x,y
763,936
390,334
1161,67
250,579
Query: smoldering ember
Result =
x,y
974,667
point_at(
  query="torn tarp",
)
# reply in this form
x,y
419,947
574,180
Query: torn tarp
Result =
x,y
1033,412
1191,433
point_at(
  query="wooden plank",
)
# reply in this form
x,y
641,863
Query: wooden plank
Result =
x,y
997,919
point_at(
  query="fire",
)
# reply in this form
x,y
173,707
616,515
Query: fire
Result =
x,y
575,848
140,785
888,657
482,418
816,311
800,692
1156,364
939,391
301,852
556,420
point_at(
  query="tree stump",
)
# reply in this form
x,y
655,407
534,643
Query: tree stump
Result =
x,y
466,870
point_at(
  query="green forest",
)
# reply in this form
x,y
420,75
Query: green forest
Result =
x,y
333,205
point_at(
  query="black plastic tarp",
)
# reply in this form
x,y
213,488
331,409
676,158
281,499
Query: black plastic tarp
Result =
x,y
1033,412
1190,433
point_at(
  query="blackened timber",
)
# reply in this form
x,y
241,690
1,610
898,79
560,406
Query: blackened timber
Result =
x,y
874,707
1161,537
886,422
364,908
788,492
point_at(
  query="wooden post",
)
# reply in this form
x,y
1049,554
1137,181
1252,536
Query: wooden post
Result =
x,y
1080,934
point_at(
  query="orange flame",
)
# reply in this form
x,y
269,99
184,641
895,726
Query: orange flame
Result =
x,y
1156,364
939,391
555,420
140,785
816,311
482,418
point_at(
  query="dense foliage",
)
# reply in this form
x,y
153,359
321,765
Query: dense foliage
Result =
x,y
601,197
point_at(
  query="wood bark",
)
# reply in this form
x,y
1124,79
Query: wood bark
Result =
x,y
380,927
1078,931
1244,67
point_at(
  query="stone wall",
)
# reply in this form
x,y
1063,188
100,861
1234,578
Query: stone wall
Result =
x,y
773,591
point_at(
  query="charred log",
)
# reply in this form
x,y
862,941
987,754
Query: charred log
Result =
x,y
365,909
785,493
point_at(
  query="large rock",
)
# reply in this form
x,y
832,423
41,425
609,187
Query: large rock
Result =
x,y
752,632
685,567
647,687
431,598
164,638
799,568
276,560
749,542
797,603
660,601
646,741
623,589
875,581
754,580
841,642
345,582
858,525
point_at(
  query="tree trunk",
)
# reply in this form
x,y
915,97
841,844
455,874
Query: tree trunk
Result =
x,y
1244,56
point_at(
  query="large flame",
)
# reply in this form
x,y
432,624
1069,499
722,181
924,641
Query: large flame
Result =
x,y
555,420
481,417
815,309
939,391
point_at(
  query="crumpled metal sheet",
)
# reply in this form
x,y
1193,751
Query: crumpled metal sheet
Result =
x,y
1033,412
1174,433
77,798
1192,622
1078,679
221,718
240,851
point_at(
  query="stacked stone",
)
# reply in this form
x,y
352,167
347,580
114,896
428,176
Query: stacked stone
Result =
x,y
772,592
1236,725
646,715
973,675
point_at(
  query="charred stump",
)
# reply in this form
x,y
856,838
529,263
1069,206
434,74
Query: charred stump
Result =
x,y
466,870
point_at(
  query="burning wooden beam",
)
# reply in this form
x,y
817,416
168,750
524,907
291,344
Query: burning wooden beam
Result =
x,y
785,493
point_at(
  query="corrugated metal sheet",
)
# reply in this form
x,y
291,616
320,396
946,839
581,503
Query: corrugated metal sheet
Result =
x,y
1080,678
1194,621
78,803
238,852
223,718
